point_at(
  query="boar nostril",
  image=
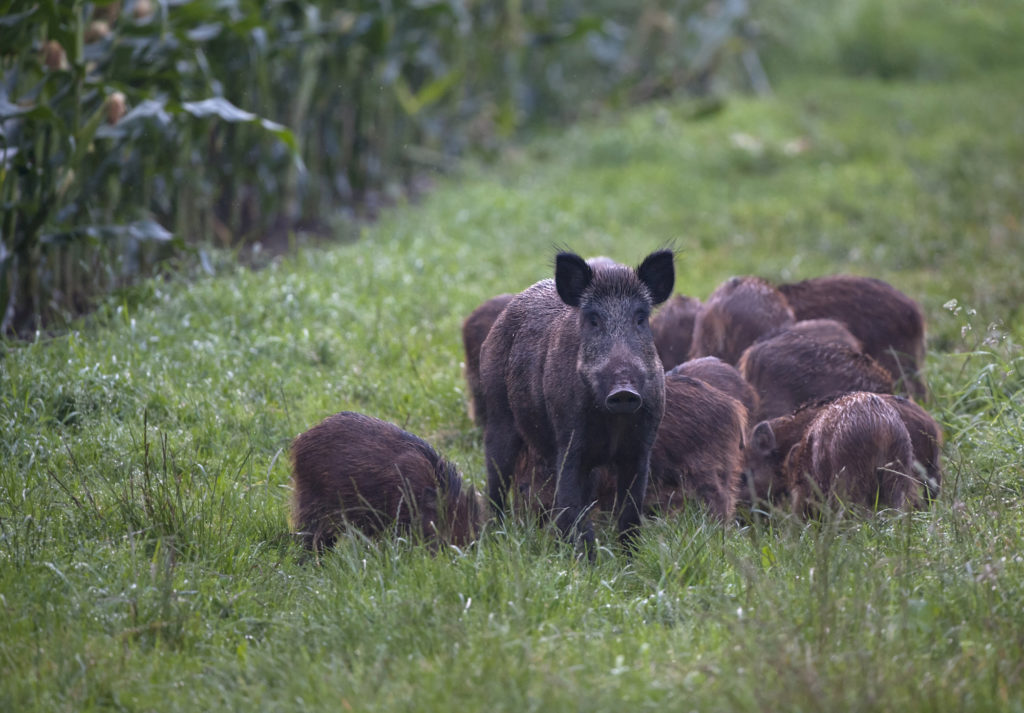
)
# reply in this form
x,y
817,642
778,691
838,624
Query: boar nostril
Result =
x,y
624,399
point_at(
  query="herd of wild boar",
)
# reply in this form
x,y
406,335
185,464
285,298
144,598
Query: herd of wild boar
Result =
x,y
797,396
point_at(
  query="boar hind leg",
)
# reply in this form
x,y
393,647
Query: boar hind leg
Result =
x,y
502,444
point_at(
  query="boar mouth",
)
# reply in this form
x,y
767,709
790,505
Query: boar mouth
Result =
x,y
623,400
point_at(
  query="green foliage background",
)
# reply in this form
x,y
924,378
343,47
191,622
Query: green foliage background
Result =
x,y
133,132
132,129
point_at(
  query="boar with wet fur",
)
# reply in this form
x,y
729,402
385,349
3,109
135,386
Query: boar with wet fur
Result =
x,y
824,330
698,454
764,477
722,376
353,470
888,323
856,452
739,311
672,326
853,449
570,370
791,369
474,331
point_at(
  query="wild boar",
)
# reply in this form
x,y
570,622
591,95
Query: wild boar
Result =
x,y
888,323
791,369
824,330
352,470
739,311
764,478
852,450
856,452
698,454
534,484
724,377
570,370
474,331
672,326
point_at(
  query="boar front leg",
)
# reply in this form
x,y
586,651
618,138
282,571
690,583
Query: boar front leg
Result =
x,y
632,478
573,498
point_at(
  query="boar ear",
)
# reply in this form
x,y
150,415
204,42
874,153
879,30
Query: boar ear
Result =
x,y
572,277
658,272
763,438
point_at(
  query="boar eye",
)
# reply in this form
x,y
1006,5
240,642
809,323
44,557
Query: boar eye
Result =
x,y
594,321
641,319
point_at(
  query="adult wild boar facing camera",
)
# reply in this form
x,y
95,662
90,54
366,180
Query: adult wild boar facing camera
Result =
x,y
570,370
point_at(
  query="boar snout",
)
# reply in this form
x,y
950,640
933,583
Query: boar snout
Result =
x,y
623,399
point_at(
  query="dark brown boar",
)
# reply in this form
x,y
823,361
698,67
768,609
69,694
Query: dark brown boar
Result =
x,y
853,449
724,377
791,369
672,326
764,478
570,370
926,439
698,454
888,323
856,452
474,331
739,311
824,330
357,471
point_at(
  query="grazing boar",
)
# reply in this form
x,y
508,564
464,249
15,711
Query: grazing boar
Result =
x,y
926,439
856,451
791,369
672,326
888,323
824,330
698,454
474,331
853,449
764,476
739,311
570,370
353,470
724,377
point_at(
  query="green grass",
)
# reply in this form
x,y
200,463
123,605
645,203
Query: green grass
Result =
x,y
145,560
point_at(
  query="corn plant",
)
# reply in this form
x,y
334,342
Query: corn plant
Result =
x,y
131,131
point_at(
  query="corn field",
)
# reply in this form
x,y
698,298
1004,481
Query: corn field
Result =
x,y
133,132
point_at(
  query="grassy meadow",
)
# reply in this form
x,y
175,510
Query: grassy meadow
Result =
x,y
145,555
